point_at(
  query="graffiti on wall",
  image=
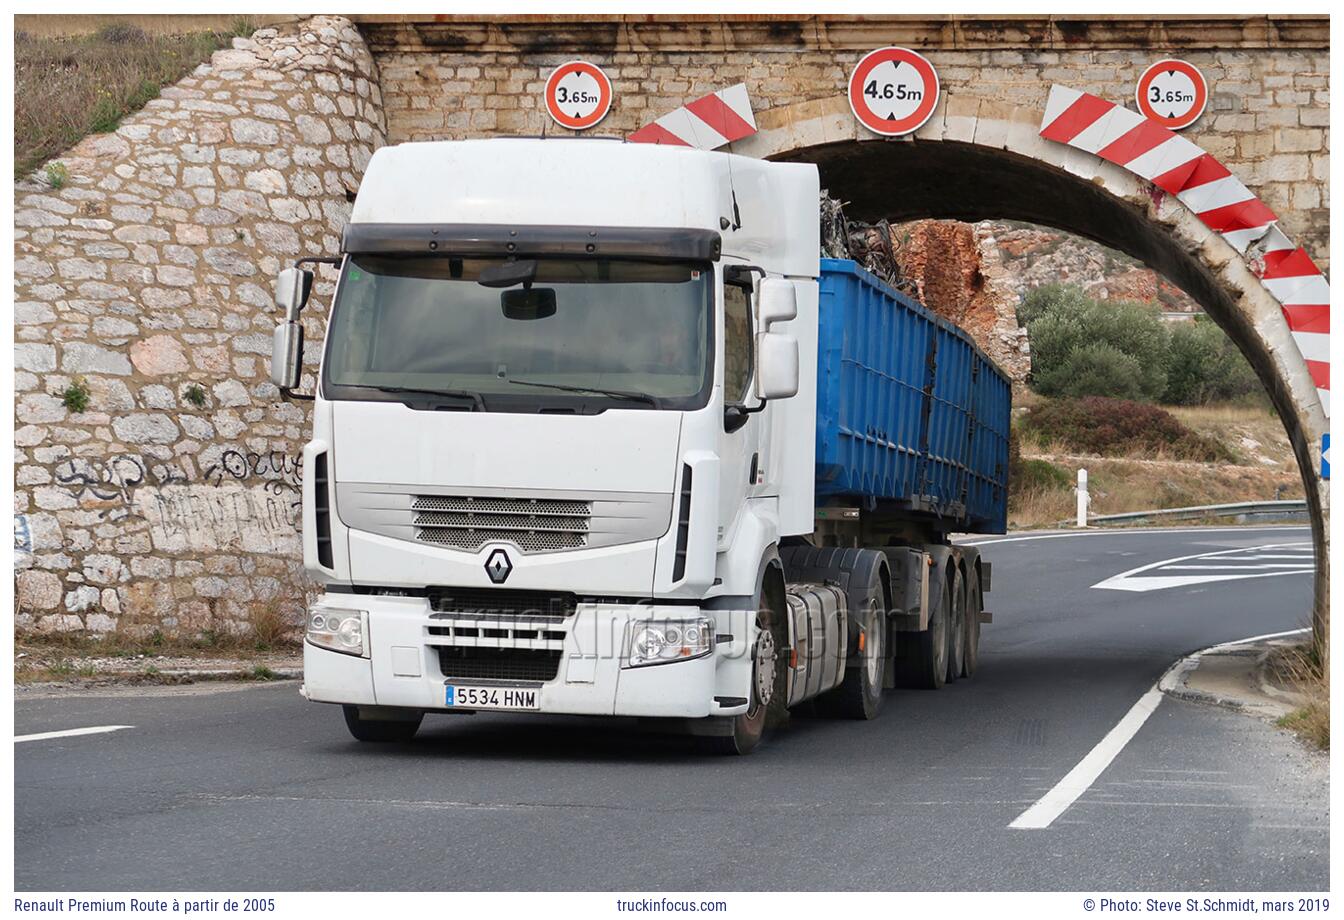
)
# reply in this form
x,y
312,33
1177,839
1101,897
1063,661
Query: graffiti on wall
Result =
x,y
206,518
245,501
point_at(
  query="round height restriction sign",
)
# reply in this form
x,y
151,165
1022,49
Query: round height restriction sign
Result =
x,y
578,95
1172,93
893,91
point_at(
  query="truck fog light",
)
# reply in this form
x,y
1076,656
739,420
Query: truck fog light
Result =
x,y
339,629
667,640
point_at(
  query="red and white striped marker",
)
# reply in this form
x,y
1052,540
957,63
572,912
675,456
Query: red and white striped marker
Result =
x,y
1205,186
706,124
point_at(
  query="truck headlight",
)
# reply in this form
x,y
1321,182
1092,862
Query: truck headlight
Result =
x,y
338,629
663,641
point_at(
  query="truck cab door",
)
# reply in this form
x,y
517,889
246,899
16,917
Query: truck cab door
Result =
x,y
739,453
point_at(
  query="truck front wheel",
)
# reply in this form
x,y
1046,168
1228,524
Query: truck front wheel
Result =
x,y
381,730
768,686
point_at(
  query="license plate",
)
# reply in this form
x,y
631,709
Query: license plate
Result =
x,y
460,697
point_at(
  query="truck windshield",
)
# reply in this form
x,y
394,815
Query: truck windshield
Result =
x,y
582,334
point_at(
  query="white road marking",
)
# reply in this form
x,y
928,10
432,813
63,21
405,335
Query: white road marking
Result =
x,y
1134,580
1078,780
71,733
1245,567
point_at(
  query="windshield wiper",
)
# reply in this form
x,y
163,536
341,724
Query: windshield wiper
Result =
x,y
478,404
617,394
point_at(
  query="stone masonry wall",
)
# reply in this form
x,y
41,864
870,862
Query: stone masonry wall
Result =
x,y
1267,116
146,279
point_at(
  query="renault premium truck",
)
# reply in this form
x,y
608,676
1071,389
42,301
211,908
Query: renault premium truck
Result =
x,y
596,431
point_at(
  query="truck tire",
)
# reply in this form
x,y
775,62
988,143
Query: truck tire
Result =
x,y
859,696
922,656
380,730
974,604
768,685
956,624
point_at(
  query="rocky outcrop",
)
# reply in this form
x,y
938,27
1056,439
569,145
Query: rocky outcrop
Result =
x,y
954,269
1038,255
157,468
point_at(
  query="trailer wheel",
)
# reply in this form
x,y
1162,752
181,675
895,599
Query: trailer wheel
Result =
x,y
768,686
974,603
956,624
859,696
922,661
380,730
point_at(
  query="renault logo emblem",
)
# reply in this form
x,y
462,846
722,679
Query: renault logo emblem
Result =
x,y
498,567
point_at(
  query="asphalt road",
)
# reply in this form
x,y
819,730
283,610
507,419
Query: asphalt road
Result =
x,y
255,789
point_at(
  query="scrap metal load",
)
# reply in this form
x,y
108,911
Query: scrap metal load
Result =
x,y
870,245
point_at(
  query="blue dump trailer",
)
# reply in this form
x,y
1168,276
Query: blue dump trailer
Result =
x,y
912,417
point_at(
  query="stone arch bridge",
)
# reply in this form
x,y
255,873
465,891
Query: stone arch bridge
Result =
x,y
979,156
169,501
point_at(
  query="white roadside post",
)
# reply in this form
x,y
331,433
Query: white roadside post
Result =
x,y
1083,498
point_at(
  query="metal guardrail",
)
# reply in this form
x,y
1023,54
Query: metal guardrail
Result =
x,y
1293,509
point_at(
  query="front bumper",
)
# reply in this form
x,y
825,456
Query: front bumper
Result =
x,y
403,667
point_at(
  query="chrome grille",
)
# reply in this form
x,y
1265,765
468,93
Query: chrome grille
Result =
x,y
532,524
501,505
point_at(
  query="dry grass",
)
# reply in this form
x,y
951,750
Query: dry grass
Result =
x,y
1265,470
1040,508
1300,668
268,626
69,25
68,88
82,658
268,630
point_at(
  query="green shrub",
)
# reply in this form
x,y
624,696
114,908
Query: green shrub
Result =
x,y
76,396
1112,427
1084,347
1092,368
1205,366
1039,475
57,174
122,33
1048,298
1032,475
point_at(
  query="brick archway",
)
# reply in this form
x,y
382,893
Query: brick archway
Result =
x,y
977,160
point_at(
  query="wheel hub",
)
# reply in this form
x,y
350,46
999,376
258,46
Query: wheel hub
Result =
x,y
873,645
765,666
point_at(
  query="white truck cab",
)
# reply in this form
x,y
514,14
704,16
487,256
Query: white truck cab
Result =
x,y
564,418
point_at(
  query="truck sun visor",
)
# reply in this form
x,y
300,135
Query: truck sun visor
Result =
x,y
663,244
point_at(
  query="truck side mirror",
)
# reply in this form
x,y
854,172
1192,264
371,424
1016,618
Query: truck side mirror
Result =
x,y
286,355
292,287
776,365
776,301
